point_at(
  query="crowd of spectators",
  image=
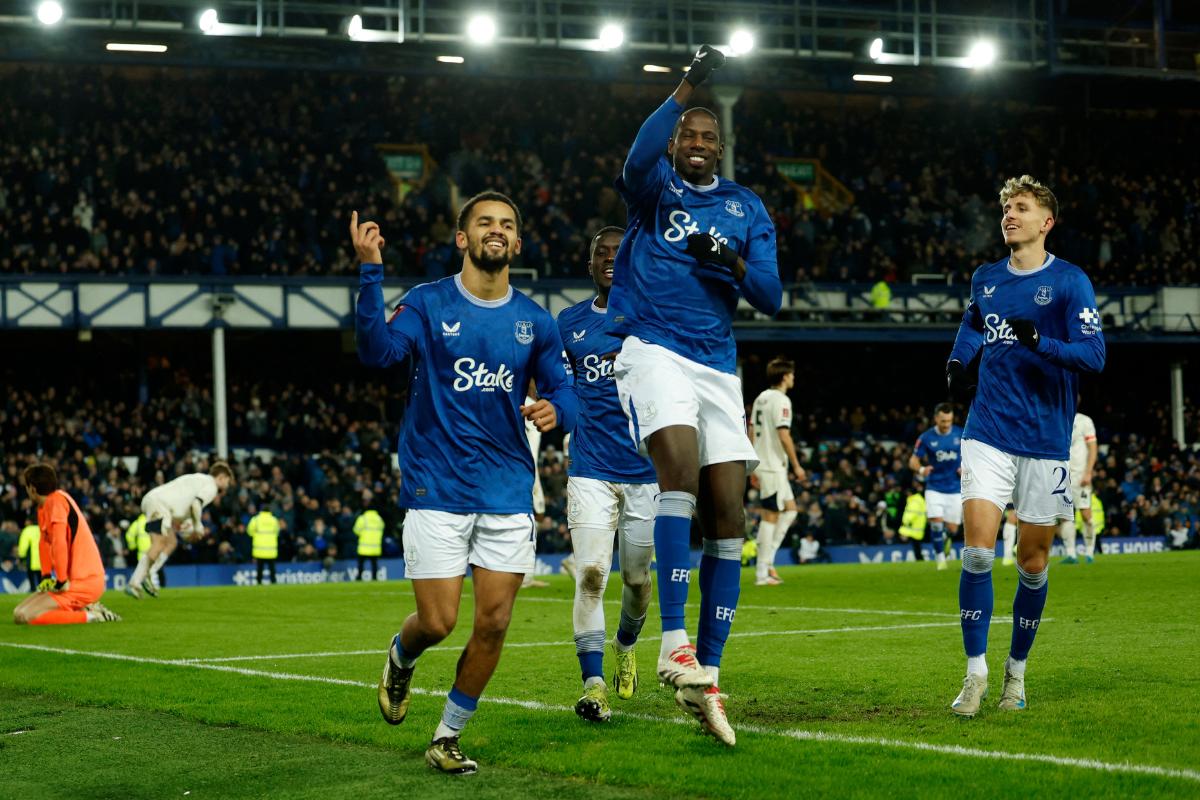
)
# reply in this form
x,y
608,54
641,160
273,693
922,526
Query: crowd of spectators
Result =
x,y
318,459
223,172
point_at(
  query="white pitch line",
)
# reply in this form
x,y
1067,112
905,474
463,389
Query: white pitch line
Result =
x,y
815,609
801,735
565,643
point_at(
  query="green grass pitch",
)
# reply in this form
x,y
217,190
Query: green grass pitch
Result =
x,y
839,685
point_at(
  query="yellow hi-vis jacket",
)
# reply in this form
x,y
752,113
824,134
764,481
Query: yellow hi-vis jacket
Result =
x,y
369,530
136,538
29,549
1097,515
264,535
912,524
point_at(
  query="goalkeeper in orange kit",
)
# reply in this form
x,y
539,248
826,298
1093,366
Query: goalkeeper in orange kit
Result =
x,y
72,573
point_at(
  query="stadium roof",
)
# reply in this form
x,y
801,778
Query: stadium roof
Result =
x,y
1158,39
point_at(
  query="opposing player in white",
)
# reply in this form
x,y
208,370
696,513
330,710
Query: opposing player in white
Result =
x,y
771,433
936,457
610,487
175,506
1034,318
534,436
1083,460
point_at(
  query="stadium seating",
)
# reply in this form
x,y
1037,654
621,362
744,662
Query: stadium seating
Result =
x,y
241,176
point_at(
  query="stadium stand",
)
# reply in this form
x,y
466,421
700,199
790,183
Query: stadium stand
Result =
x,y
240,173
318,455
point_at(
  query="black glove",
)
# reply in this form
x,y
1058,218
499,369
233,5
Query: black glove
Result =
x,y
708,249
707,59
1026,333
958,382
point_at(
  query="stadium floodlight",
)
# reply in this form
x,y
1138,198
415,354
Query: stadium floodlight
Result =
x,y
354,27
126,47
481,29
982,54
655,68
209,20
612,36
451,59
741,42
876,48
868,78
49,12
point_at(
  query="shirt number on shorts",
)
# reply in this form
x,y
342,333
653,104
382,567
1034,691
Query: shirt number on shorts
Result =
x,y
1062,480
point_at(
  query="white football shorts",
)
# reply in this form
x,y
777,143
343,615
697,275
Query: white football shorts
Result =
x,y
157,510
1083,496
659,389
944,506
774,489
1038,488
440,544
625,507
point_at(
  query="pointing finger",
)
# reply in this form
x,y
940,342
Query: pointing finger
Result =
x,y
354,225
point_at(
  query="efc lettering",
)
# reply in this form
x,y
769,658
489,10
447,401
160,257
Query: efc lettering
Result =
x,y
972,614
724,614
480,377
998,329
1029,624
683,226
681,576
596,368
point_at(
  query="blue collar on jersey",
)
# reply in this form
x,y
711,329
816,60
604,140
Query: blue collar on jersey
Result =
x,y
1049,260
478,301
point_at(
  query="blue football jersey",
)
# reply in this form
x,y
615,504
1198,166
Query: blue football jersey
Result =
x,y
943,453
1025,403
602,445
462,445
660,294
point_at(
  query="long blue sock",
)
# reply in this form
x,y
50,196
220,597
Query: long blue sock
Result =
x,y
672,535
1027,611
937,537
589,646
720,586
975,598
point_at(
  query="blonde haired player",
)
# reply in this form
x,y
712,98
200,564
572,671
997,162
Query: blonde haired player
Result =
x,y
1083,460
174,506
771,434
1033,318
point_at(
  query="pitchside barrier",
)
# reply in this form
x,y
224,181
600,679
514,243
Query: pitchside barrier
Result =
x,y
13,581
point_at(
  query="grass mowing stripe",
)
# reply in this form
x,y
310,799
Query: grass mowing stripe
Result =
x,y
802,735
564,643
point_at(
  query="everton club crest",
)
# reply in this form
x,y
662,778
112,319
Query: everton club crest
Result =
x,y
1044,296
523,330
